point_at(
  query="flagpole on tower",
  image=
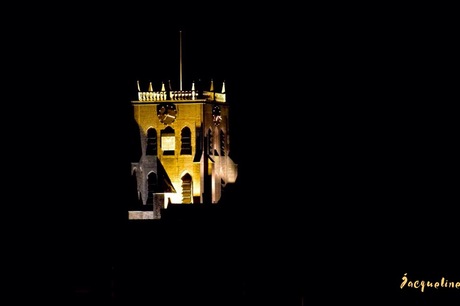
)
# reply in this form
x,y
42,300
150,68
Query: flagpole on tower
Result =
x,y
180,60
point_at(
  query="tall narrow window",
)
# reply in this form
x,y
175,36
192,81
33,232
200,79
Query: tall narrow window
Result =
x,y
199,142
168,141
152,183
151,142
187,189
222,143
186,142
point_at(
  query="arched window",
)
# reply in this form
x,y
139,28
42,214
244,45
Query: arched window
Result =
x,y
151,142
168,141
152,185
187,189
186,141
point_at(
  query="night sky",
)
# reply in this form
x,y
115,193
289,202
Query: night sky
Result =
x,y
341,137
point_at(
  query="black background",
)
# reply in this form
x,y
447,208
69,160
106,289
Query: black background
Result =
x,y
340,123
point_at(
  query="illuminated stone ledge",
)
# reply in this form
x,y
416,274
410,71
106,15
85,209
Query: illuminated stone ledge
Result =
x,y
140,215
158,96
174,95
163,95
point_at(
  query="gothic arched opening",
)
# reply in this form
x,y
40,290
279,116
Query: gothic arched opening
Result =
x,y
186,189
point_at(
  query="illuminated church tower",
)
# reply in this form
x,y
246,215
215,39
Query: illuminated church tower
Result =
x,y
184,136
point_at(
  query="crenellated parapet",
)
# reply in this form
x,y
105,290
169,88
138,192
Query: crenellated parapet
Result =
x,y
180,95
155,96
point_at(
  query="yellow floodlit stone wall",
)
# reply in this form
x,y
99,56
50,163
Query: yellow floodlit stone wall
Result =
x,y
192,115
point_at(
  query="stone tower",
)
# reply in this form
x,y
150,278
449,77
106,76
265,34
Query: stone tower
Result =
x,y
184,136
